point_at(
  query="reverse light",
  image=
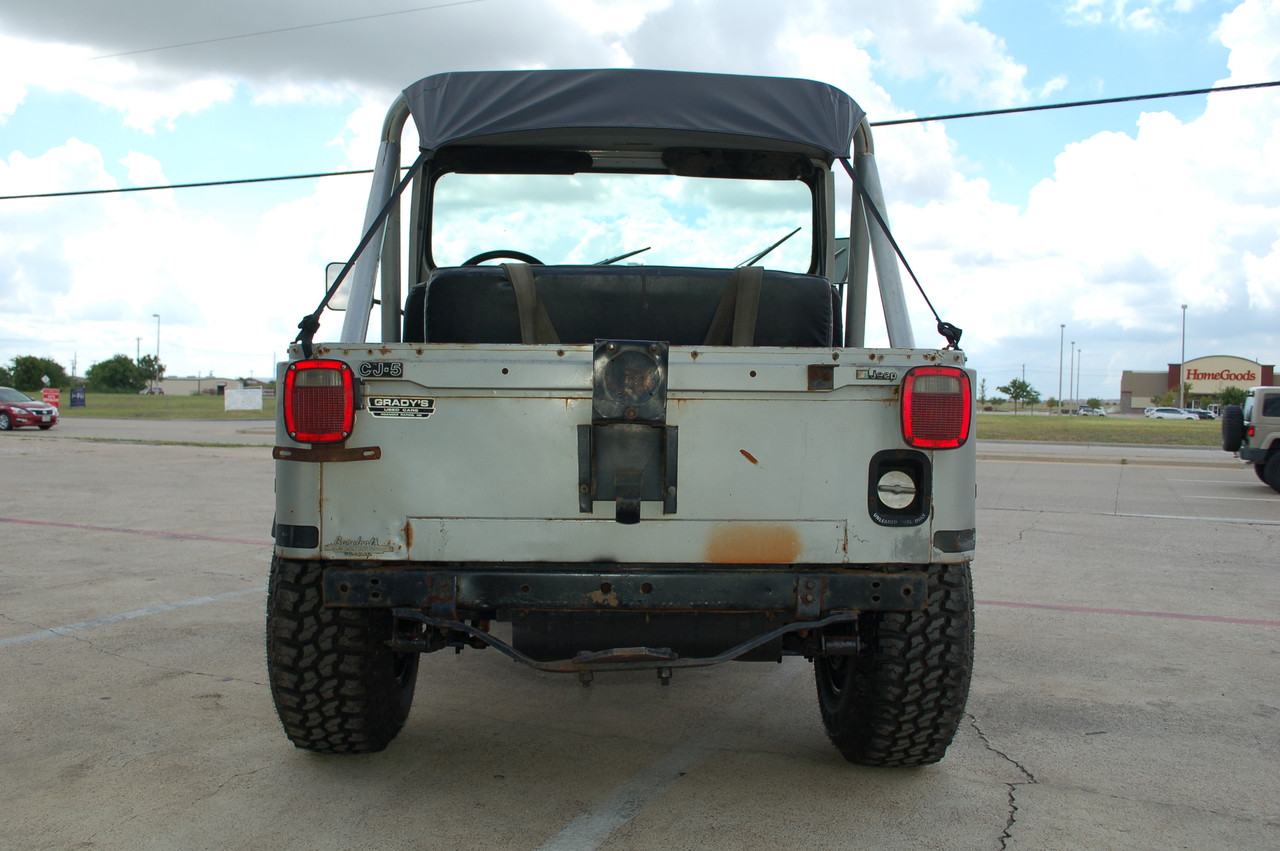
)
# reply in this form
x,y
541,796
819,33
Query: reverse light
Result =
x,y
319,401
937,407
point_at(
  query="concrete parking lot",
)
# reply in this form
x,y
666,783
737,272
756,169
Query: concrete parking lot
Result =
x,y
1126,692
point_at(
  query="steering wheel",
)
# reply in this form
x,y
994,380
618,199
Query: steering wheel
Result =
x,y
502,252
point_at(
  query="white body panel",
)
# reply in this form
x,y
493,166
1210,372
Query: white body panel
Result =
x,y
769,470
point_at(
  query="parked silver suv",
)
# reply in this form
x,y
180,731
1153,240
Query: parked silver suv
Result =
x,y
1252,431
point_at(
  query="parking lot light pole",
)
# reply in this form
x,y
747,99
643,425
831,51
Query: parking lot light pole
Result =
x,y
1062,331
1071,365
157,363
1182,365
1079,370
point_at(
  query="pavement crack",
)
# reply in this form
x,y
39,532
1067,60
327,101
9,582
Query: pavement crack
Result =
x,y
22,623
1035,520
1011,788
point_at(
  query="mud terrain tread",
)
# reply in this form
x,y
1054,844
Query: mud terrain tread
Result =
x,y
903,698
337,687
1271,471
1232,428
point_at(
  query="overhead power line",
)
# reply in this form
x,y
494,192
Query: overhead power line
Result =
x,y
1074,104
954,116
287,29
233,182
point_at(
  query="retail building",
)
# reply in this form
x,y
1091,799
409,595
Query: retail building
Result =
x,y
1207,378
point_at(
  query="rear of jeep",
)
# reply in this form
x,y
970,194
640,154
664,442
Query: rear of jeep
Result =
x,y
1252,431
592,465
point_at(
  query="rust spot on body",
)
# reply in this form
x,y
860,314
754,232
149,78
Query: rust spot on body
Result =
x,y
753,543
600,598
748,456
408,535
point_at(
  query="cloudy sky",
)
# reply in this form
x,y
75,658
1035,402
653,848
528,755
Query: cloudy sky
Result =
x,y
1105,219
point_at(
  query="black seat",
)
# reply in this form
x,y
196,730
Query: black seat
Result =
x,y
477,304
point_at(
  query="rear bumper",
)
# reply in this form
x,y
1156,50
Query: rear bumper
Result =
x,y
1252,455
793,592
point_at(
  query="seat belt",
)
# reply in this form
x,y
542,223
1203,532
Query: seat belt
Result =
x,y
535,323
734,322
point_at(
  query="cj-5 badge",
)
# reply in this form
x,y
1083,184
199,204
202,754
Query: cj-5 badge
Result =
x,y
419,407
382,369
358,546
876,375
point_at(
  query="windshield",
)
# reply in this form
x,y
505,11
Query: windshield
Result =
x,y
13,397
586,218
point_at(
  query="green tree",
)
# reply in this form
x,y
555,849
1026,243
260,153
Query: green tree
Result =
x,y
116,374
1020,391
29,371
151,368
1094,403
1233,395
6,377
982,391
1051,404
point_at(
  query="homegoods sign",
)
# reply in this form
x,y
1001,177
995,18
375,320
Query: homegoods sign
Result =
x,y
1214,374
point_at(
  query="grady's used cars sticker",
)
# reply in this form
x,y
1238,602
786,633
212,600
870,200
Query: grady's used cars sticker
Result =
x,y
419,407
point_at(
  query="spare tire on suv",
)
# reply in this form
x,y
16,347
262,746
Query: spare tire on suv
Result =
x,y
1232,428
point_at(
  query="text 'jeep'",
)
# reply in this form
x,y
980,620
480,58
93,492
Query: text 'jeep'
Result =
x,y
675,455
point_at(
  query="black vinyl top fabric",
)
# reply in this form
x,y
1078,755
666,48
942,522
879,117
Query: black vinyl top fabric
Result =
x,y
621,107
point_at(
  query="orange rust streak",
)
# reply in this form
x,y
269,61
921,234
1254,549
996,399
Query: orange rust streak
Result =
x,y
748,456
408,535
753,543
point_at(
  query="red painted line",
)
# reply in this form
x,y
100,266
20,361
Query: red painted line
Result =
x,y
145,532
1089,610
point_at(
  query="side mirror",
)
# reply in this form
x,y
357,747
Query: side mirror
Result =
x,y
339,300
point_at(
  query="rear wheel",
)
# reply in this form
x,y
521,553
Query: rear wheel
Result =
x,y
337,687
1271,473
901,698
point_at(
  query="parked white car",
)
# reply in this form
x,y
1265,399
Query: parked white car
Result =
x,y
1170,414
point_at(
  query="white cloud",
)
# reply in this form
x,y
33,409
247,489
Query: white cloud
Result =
x,y
1057,84
909,39
146,98
1252,32
1127,14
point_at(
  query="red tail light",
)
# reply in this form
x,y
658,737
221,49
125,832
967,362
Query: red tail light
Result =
x,y
937,407
319,401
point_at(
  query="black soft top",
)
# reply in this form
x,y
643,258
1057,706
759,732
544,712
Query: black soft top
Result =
x,y
622,109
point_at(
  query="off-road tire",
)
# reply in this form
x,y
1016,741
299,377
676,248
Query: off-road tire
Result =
x,y
1232,428
1271,473
900,700
337,687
